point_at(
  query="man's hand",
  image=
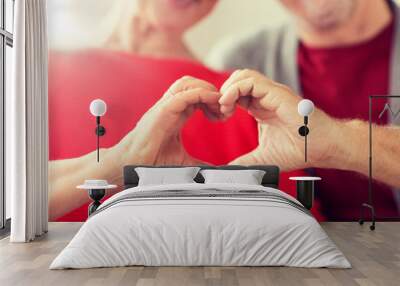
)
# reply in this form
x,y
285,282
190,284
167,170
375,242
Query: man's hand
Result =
x,y
156,139
274,106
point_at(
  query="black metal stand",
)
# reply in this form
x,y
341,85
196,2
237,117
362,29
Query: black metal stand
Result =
x,y
372,209
369,205
96,195
305,193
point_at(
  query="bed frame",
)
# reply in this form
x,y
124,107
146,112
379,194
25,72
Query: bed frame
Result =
x,y
270,179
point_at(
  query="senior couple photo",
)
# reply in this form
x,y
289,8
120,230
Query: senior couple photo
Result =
x,y
208,82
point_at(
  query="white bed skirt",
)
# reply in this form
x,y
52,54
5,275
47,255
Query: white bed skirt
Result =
x,y
200,232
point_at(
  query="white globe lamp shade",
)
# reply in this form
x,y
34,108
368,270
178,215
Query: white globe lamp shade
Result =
x,y
305,107
98,107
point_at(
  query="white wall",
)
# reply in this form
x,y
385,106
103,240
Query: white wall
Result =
x,y
231,16
82,28
78,23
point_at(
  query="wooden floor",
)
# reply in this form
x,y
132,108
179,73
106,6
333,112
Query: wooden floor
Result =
x,y
375,257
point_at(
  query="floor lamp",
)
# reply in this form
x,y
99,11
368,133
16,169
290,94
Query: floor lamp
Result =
x,y
369,205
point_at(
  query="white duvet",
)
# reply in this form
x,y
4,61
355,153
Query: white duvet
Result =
x,y
203,231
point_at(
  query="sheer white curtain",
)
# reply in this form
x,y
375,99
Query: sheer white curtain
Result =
x,y
26,117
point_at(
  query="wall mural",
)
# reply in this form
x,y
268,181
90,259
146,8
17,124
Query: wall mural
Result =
x,y
130,67
129,54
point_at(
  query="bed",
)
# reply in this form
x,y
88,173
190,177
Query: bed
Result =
x,y
201,224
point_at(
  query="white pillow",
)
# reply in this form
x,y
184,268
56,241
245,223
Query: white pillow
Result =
x,y
248,177
162,176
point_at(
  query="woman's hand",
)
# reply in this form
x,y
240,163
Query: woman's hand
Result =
x,y
156,139
274,106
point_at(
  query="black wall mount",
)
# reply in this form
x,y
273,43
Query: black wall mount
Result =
x,y
99,131
304,131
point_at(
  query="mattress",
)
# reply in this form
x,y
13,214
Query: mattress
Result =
x,y
201,225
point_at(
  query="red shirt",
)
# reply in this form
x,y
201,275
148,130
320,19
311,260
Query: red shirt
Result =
x,y
130,85
339,81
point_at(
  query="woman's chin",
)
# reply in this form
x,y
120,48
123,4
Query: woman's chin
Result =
x,y
182,4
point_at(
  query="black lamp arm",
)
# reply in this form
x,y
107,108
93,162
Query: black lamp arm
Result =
x,y
303,131
100,131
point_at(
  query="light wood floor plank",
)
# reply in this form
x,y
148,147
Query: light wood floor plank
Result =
x,y
375,257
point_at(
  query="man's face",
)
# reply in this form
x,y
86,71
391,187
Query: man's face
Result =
x,y
322,14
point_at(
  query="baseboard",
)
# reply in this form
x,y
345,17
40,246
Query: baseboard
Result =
x,y
5,231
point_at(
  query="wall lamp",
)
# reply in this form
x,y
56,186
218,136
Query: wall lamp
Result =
x,y
98,108
305,108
